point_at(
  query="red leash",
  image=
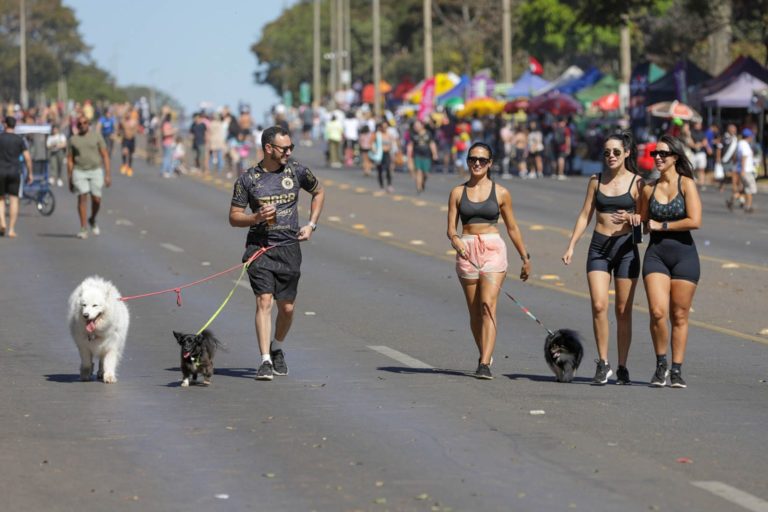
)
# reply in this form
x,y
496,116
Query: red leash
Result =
x,y
179,288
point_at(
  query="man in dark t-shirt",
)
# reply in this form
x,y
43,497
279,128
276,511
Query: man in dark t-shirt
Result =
x,y
271,190
199,131
12,147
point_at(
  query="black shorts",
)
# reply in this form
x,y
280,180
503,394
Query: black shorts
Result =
x,y
614,254
10,184
276,272
130,145
672,253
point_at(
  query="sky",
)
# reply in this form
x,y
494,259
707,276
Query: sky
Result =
x,y
195,50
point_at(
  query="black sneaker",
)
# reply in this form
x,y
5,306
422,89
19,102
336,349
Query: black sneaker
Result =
x,y
602,372
659,379
265,371
278,363
676,379
622,376
483,372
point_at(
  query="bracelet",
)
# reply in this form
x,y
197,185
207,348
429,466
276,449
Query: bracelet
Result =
x,y
527,257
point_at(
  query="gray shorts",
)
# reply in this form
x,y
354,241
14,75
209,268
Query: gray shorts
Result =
x,y
88,182
749,182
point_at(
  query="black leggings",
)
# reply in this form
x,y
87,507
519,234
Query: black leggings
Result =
x,y
383,167
672,253
614,254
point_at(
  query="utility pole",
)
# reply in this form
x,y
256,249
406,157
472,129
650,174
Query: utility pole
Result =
x,y
24,94
348,41
316,87
626,64
506,40
340,58
428,71
376,61
333,74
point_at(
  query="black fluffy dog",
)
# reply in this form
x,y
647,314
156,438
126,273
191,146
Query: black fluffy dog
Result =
x,y
563,352
197,352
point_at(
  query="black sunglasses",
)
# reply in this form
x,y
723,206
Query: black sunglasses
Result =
x,y
471,160
616,152
662,154
283,148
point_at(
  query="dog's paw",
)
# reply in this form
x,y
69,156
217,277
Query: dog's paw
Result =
x,y
206,382
110,379
85,375
185,383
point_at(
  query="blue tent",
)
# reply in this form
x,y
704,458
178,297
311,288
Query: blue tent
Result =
x,y
590,77
457,91
525,86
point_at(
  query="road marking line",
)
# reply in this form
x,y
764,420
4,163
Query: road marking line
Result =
x,y
417,242
171,247
400,357
123,222
385,234
734,495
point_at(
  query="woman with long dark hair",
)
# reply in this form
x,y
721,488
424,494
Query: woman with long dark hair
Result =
x,y
613,194
672,209
481,254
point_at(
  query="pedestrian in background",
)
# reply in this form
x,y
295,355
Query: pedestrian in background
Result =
x,y
613,195
481,254
672,209
12,148
57,149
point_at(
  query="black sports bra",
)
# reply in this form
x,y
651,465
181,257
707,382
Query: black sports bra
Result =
x,y
673,210
484,212
611,204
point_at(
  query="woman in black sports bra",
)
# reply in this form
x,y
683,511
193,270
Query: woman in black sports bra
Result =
x,y
672,209
481,254
613,194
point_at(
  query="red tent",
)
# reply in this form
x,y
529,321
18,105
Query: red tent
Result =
x,y
607,103
404,87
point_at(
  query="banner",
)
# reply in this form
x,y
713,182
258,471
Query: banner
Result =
x,y
427,98
482,85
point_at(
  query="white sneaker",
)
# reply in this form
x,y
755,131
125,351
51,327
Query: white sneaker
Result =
x,y
94,228
82,234
59,183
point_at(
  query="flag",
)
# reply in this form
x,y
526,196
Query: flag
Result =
x,y
535,66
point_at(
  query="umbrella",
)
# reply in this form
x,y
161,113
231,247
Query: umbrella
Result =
x,y
607,103
481,107
556,104
515,105
672,109
368,92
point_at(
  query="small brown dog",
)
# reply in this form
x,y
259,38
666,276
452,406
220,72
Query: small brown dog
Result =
x,y
197,352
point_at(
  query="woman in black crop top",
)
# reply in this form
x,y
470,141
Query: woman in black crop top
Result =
x,y
481,254
672,209
613,194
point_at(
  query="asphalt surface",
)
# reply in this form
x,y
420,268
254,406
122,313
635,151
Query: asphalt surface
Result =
x,y
380,411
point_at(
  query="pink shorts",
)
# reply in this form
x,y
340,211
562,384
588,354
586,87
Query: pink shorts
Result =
x,y
488,252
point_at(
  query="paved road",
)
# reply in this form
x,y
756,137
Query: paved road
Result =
x,y
379,412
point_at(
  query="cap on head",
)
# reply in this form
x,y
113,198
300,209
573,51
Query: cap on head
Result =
x,y
746,132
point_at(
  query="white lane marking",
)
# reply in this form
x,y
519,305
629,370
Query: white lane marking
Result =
x,y
123,222
171,247
400,357
734,495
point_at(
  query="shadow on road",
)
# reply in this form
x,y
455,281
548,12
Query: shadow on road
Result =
x,y
57,235
403,369
63,377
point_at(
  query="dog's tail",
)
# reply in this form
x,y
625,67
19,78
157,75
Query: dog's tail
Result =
x,y
209,338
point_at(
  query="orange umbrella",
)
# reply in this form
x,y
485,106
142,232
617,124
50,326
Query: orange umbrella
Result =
x,y
369,93
672,109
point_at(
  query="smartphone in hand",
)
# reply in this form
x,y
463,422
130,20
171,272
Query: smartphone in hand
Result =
x,y
637,234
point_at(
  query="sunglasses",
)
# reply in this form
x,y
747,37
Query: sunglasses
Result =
x,y
478,160
661,154
283,149
616,152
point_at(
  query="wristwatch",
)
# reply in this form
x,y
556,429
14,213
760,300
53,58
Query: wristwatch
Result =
x,y
664,226
527,257
312,225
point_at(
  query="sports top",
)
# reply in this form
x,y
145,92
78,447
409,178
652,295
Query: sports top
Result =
x,y
611,204
673,210
484,212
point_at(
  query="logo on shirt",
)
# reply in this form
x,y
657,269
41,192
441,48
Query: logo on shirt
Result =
x,y
287,183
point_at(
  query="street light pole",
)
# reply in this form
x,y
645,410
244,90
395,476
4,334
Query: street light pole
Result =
x,y
316,92
340,42
24,94
334,52
376,61
506,40
626,66
428,71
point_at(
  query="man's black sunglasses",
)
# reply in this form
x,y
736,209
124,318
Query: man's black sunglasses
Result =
x,y
478,159
283,149
662,154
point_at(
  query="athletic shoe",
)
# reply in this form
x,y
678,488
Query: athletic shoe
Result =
x,y
729,204
278,362
59,183
129,171
265,371
622,376
602,372
83,234
483,372
659,379
94,227
676,379
122,169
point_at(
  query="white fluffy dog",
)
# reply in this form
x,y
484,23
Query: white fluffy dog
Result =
x,y
98,321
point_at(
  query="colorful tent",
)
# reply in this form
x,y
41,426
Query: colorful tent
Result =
x,y
675,84
590,77
737,94
444,82
457,92
481,107
606,85
607,103
525,86
572,73
369,92
738,67
556,104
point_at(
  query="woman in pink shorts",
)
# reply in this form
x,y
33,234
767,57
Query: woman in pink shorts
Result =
x,y
481,254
